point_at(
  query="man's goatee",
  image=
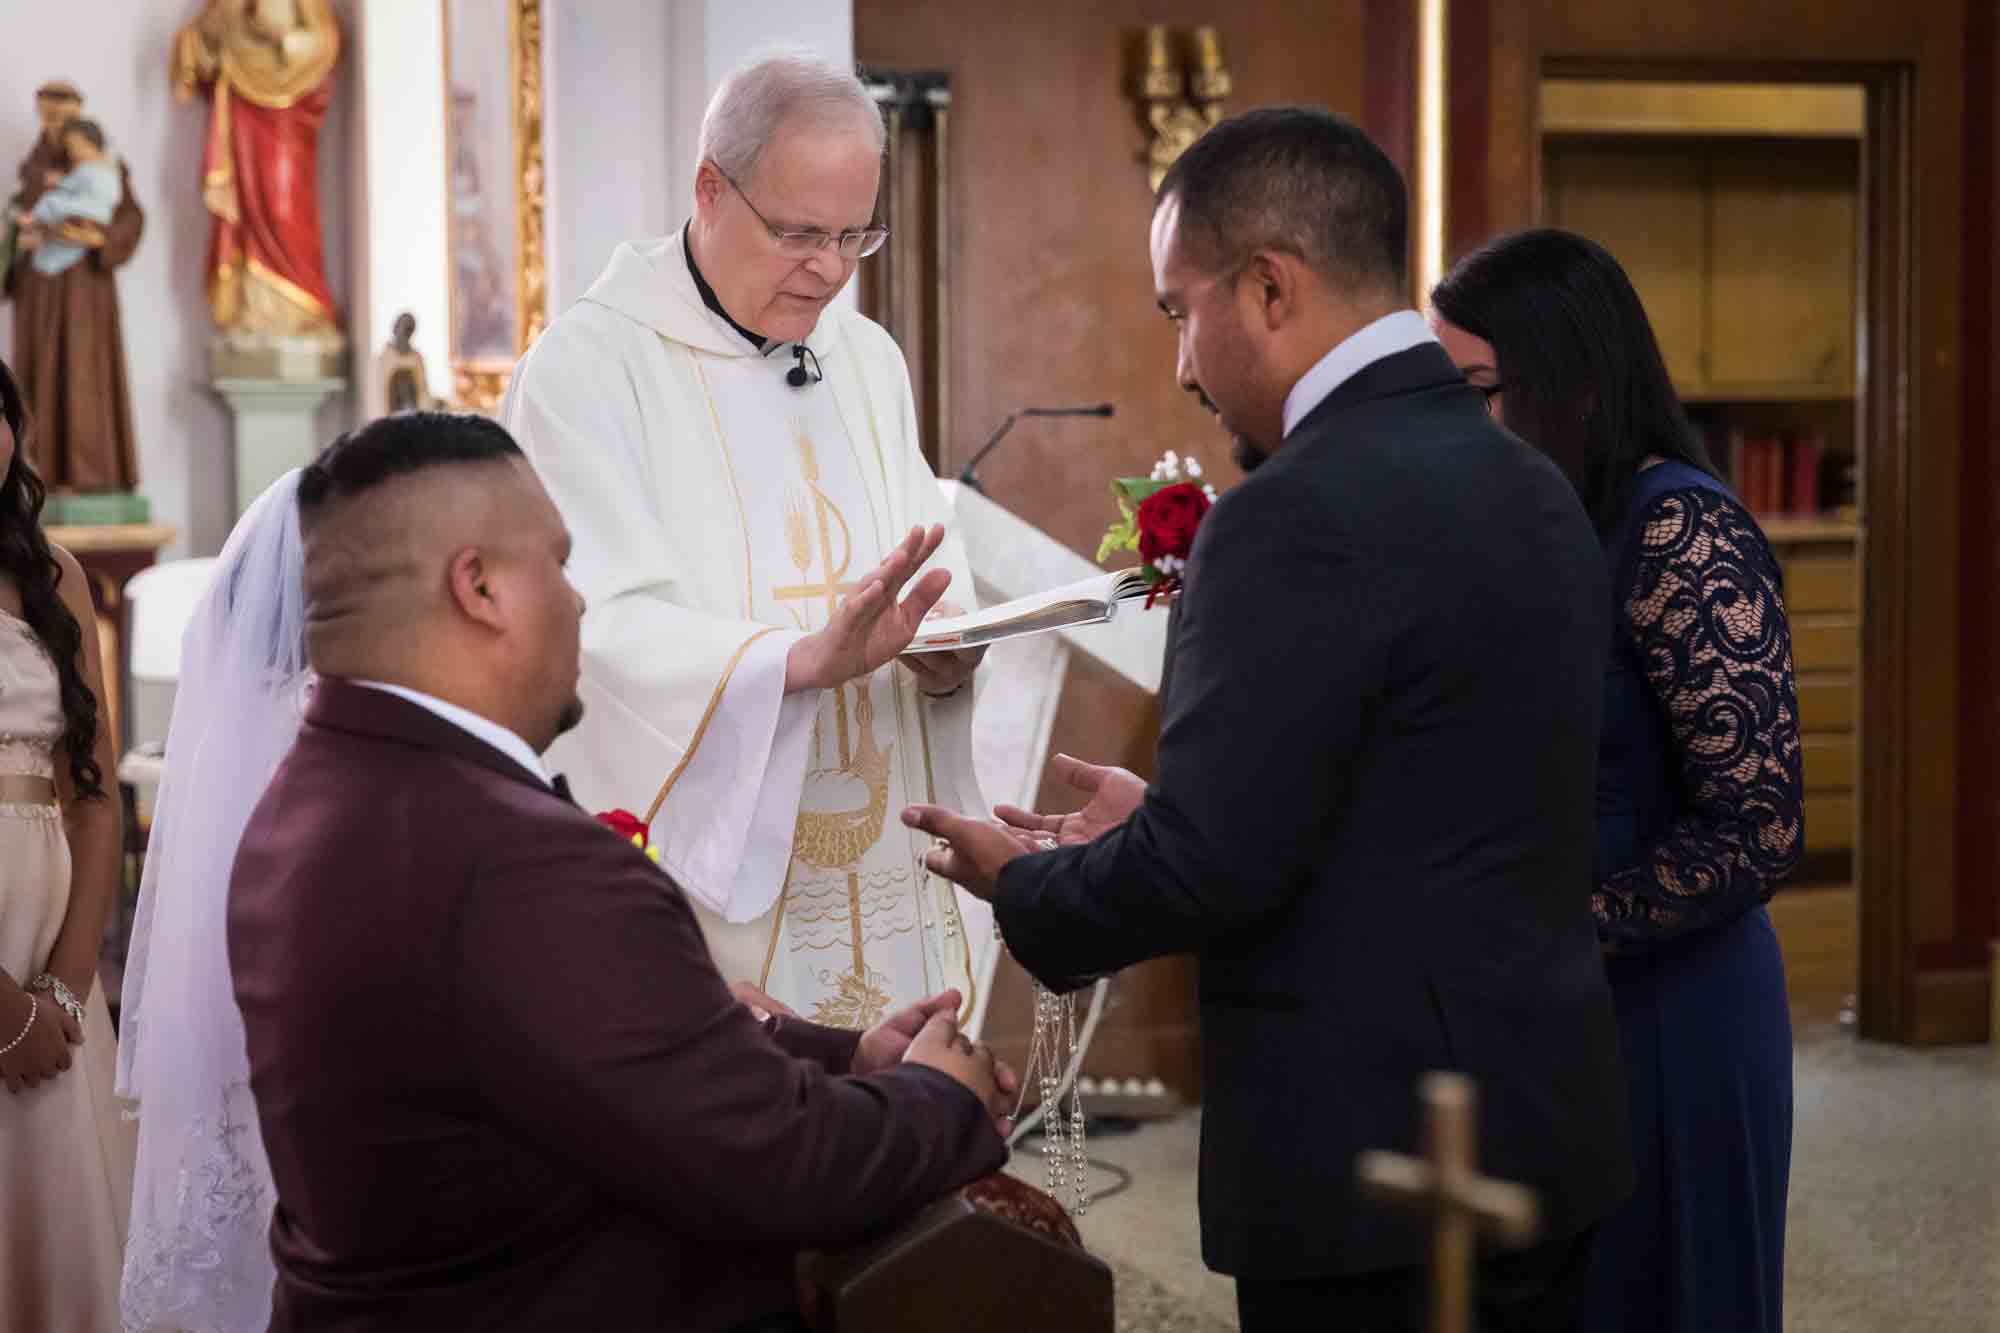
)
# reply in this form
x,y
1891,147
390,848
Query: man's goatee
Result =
x,y
1247,453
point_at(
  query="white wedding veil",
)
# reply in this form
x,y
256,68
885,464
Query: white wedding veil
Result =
x,y
198,1255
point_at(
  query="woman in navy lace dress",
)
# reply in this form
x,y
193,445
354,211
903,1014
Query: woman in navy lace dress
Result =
x,y
1699,809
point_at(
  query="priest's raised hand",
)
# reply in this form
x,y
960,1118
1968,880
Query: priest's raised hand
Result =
x,y
872,627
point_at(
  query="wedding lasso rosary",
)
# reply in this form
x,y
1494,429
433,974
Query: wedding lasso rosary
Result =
x,y
1052,1059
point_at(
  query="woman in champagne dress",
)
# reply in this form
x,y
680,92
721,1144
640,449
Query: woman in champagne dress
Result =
x,y
65,1150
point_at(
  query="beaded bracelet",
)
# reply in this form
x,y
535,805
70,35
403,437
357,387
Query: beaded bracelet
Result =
x,y
34,1007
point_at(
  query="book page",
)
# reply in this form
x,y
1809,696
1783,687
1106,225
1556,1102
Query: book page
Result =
x,y
1086,601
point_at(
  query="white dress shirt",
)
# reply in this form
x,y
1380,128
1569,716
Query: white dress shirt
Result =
x,y
495,735
1385,337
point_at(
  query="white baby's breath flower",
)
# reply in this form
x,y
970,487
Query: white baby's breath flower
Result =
x,y
1209,491
1193,467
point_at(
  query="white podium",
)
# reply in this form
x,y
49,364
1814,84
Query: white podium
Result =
x,y
1024,677
1022,681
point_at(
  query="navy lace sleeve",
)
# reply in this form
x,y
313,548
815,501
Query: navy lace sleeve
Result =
x,y
1703,605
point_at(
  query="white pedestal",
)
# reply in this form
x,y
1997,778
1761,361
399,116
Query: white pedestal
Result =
x,y
1022,680
275,428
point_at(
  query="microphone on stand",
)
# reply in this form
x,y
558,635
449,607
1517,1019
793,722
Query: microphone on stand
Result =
x,y
966,474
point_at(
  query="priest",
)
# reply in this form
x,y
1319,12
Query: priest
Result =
x,y
737,457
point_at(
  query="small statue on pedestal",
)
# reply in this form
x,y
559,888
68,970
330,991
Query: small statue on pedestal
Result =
x,y
71,224
406,384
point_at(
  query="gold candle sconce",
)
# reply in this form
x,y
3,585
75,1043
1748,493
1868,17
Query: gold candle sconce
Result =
x,y
1180,82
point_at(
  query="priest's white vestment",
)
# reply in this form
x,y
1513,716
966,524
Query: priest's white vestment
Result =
x,y
719,513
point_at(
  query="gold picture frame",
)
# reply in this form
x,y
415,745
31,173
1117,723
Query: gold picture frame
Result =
x,y
495,256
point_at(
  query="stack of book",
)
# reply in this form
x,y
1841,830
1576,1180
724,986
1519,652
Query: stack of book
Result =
x,y
1775,473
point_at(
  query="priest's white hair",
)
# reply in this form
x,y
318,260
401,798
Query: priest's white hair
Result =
x,y
756,99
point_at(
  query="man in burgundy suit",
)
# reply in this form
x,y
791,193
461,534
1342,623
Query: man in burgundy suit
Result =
x,y
499,1080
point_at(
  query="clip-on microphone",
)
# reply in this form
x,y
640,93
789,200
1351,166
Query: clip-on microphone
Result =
x,y
798,376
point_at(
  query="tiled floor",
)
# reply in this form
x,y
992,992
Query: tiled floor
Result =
x,y
1895,1200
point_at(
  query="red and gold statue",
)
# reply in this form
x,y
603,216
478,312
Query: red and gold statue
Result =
x,y
267,68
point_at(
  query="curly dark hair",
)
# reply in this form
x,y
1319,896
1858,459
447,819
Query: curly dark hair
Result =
x,y
27,559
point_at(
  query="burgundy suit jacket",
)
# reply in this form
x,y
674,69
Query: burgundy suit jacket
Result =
x,y
500,1082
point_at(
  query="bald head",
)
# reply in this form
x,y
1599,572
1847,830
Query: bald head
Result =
x,y
433,560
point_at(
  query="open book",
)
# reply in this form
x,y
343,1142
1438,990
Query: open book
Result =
x,y
1091,601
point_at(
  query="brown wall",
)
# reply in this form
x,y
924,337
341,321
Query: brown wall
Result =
x,y
1051,284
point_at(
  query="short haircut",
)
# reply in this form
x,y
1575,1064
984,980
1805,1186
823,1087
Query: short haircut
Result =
x,y
90,131
398,446
1300,180
58,90
754,100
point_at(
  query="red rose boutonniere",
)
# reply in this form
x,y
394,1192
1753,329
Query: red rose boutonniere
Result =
x,y
1159,516
631,828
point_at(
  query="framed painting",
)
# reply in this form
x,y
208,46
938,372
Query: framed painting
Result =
x,y
494,187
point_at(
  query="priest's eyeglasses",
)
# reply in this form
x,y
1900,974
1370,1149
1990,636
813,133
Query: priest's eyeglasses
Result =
x,y
805,242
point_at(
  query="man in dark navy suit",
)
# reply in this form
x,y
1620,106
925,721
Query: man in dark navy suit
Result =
x,y
1372,819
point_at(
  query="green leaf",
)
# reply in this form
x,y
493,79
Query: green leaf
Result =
x,y
1136,489
1121,536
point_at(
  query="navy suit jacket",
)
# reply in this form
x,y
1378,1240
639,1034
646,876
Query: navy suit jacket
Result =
x,y
1373,822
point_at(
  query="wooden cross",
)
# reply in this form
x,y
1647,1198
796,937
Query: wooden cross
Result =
x,y
1446,1186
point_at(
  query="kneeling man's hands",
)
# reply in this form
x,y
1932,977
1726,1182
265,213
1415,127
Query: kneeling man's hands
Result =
x,y
888,1041
941,1046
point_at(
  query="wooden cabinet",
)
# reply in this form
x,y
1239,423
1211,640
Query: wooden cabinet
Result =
x,y
1744,252
1823,600
1736,210
1646,203
1781,265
